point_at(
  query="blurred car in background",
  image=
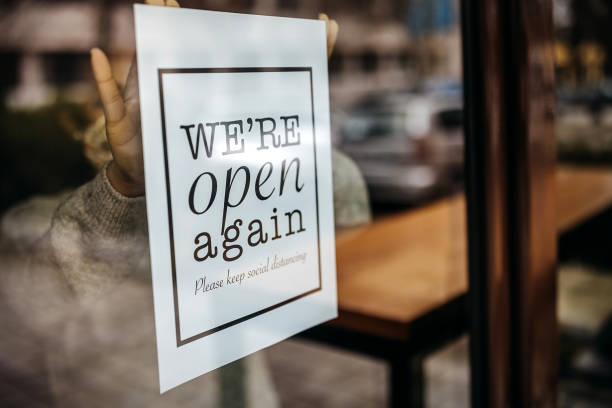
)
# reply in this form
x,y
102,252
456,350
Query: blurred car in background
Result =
x,y
584,123
595,98
407,144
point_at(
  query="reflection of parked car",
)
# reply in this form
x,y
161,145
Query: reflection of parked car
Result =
x,y
407,144
594,97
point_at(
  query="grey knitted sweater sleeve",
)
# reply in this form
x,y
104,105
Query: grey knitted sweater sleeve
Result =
x,y
97,238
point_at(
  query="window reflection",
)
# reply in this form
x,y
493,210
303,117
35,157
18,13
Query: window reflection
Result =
x,y
396,108
584,147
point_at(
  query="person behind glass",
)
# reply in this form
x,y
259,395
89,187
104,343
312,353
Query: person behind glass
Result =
x,y
84,299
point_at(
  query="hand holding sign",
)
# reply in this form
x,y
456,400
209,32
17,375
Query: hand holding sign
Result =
x,y
122,122
331,29
122,113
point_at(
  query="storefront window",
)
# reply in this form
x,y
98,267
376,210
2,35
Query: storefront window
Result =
x,y
396,98
584,178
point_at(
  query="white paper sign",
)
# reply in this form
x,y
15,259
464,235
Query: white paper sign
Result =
x,y
235,126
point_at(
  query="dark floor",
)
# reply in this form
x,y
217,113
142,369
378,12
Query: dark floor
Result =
x,y
308,375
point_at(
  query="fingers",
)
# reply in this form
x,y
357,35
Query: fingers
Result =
x,y
130,92
169,3
112,102
331,28
332,36
119,133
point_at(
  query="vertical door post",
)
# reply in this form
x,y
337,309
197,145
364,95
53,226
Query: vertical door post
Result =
x,y
510,161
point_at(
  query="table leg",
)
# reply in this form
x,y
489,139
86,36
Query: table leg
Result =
x,y
406,385
232,385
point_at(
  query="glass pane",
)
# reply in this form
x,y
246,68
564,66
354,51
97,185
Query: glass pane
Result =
x,y
584,189
76,302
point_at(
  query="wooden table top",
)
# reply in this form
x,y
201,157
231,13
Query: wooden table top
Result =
x,y
403,266
581,193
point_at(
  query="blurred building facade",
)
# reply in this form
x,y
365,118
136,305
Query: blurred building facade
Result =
x,y
583,43
383,44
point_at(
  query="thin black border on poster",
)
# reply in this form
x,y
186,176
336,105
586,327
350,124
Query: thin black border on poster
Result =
x,y
161,71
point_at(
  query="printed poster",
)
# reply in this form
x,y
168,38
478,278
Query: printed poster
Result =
x,y
235,126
